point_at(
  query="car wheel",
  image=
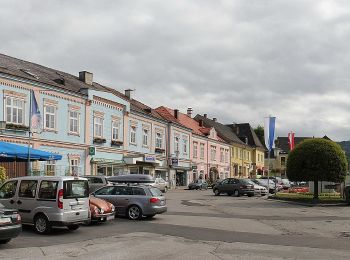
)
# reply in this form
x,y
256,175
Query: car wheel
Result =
x,y
134,212
236,193
5,241
216,192
42,224
230,193
73,227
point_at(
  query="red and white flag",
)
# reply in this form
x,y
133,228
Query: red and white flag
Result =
x,y
291,140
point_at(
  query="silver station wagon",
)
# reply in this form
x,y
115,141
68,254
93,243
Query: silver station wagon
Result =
x,y
132,200
48,201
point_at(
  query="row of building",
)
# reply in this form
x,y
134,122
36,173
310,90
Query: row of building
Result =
x,y
99,130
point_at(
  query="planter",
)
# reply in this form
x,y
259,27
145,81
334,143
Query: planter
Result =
x,y
116,143
99,140
17,127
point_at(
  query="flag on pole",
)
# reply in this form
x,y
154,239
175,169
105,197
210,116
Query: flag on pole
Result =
x,y
291,140
35,116
269,132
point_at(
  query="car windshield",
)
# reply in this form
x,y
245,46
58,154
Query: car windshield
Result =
x,y
155,192
248,181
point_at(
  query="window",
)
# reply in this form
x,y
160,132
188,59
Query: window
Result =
x,y
115,130
50,117
15,110
226,155
176,140
202,151
75,189
74,117
27,189
145,137
213,153
123,190
133,134
222,157
8,190
94,180
48,190
159,140
184,141
236,152
138,191
105,191
98,127
195,149
241,154
283,161
73,165
50,168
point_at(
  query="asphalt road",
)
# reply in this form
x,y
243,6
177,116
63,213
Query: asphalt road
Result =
x,y
201,216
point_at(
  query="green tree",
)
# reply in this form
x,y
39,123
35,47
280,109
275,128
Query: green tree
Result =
x,y
317,160
259,131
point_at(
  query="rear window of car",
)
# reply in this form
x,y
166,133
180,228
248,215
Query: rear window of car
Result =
x,y
48,190
75,189
155,192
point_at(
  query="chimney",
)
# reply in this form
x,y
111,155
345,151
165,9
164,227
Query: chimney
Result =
x,y
189,112
201,122
128,93
214,119
205,115
86,77
176,113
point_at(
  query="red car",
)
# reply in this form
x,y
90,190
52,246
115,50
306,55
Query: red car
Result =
x,y
101,210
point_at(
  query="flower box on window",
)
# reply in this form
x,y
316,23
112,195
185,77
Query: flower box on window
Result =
x,y
159,150
116,142
17,127
99,140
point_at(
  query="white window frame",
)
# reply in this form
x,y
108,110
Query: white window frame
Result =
x,y
184,145
145,135
176,144
12,108
226,155
115,130
159,140
213,153
133,134
74,165
50,167
71,129
98,125
222,158
195,150
50,114
202,151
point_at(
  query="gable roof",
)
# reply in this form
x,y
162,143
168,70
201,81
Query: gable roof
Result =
x,y
144,109
41,74
168,114
223,131
245,130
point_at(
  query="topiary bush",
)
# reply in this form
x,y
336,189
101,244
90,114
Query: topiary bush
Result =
x,y
3,176
317,160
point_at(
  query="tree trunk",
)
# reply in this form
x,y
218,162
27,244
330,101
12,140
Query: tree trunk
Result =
x,y
315,190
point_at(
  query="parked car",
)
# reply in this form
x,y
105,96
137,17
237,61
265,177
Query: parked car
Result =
x,y
144,179
215,183
10,224
198,185
48,201
286,184
260,190
236,187
101,210
96,181
133,200
270,185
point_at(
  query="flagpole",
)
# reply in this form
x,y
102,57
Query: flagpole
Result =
x,y
30,129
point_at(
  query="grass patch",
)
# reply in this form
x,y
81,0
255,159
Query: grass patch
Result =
x,y
308,197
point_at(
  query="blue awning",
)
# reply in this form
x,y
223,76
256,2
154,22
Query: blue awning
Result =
x,y
9,151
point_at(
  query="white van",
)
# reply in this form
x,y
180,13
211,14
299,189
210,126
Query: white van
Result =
x,y
48,201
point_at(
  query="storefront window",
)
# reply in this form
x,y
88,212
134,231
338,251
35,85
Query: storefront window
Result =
x,y
134,170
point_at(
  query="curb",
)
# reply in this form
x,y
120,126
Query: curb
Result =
x,y
339,204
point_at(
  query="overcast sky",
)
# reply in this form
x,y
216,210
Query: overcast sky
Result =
x,y
238,61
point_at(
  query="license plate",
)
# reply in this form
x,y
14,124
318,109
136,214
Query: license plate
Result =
x,y
5,220
110,217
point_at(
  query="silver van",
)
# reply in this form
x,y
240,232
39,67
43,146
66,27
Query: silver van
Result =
x,y
48,201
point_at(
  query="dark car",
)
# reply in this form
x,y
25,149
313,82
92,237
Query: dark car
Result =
x,y
236,187
10,224
132,200
96,181
198,185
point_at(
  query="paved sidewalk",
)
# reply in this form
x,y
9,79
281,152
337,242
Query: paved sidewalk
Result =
x,y
153,246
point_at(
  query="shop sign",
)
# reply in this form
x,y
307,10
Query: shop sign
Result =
x,y
150,158
174,161
92,150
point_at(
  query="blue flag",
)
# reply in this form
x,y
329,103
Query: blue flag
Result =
x,y
269,132
35,116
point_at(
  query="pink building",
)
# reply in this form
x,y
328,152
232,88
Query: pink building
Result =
x,y
209,154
